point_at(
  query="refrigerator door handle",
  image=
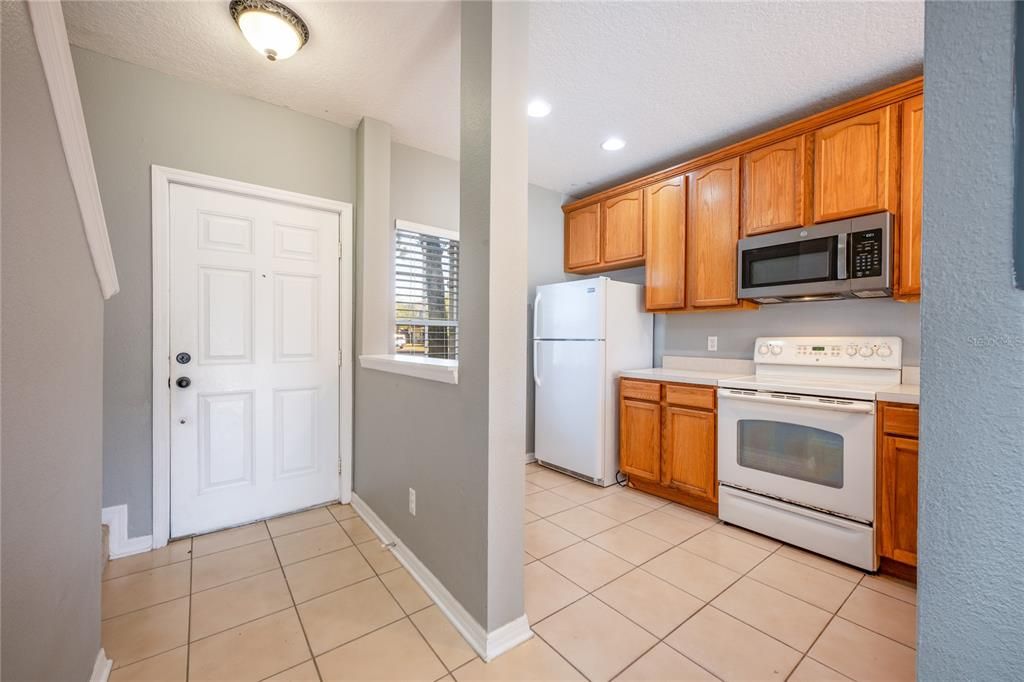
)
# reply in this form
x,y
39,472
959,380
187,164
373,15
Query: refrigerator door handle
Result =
x,y
536,317
536,361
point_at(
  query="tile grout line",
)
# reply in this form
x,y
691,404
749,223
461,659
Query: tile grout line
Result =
x,y
832,618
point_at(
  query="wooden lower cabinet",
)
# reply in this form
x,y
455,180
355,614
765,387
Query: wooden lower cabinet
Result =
x,y
896,512
667,441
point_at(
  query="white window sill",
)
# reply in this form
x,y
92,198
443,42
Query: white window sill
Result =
x,y
432,369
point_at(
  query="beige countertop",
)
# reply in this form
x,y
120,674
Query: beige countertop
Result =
x,y
682,376
909,394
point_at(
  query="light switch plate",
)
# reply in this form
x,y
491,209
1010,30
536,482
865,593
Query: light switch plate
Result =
x,y
712,343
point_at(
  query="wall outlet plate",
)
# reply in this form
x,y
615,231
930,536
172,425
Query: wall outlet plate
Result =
x,y
712,343
412,501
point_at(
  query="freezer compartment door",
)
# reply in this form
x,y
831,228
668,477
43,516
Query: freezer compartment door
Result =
x,y
570,395
570,310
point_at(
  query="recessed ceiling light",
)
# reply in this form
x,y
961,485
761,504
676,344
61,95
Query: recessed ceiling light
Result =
x,y
538,108
275,31
613,144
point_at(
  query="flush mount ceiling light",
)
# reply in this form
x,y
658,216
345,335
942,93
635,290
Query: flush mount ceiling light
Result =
x,y
613,144
538,108
275,31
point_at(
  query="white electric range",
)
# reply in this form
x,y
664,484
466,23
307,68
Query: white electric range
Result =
x,y
796,442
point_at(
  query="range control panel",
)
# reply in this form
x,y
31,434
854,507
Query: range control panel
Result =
x,y
875,352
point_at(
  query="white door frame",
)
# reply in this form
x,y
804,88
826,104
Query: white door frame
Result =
x,y
162,179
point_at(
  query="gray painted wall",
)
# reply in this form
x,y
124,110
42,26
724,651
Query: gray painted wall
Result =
x,y
424,187
138,117
971,529
52,370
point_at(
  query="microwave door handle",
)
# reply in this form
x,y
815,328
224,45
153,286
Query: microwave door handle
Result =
x,y
842,264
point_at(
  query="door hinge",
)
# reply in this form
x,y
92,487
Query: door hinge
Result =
x,y
339,357
339,250
339,465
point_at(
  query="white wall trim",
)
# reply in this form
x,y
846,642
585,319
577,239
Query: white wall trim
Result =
x,y
531,457
432,369
55,54
120,544
101,668
162,179
488,645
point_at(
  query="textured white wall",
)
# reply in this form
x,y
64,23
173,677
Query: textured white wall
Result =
x,y
971,524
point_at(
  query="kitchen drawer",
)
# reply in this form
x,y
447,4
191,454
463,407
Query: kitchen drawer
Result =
x,y
640,390
900,421
690,396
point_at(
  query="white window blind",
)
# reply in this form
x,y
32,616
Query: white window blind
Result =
x,y
426,291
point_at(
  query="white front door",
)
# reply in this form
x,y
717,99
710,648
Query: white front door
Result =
x,y
253,358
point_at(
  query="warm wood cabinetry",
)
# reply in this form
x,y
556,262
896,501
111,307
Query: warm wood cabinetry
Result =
x,y
665,224
776,187
858,158
712,230
667,441
896,513
855,166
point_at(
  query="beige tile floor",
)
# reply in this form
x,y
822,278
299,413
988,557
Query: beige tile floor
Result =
x,y
618,585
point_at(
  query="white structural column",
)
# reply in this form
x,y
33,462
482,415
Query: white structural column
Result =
x,y
494,210
373,214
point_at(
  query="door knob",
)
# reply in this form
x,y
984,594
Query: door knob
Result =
x,y
183,382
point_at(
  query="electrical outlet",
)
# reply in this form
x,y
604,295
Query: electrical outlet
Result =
x,y
712,343
412,501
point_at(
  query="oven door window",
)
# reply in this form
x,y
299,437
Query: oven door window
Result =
x,y
791,450
811,260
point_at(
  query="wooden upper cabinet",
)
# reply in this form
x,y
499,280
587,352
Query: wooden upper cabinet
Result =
x,y
688,449
665,225
908,243
622,217
776,187
855,166
583,237
640,439
712,231
897,523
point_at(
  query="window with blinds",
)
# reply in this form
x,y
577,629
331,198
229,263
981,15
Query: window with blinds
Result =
x,y
426,291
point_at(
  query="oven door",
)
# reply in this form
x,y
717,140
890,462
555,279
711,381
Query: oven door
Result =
x,y
817,452
802,262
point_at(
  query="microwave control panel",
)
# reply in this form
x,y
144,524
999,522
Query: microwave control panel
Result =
x,y
867,253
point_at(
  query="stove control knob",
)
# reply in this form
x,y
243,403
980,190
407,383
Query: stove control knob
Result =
x,y
776,350
763,349
851,350
884,351
866,351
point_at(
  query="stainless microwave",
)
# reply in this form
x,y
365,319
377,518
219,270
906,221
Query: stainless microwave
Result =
x,y
849,258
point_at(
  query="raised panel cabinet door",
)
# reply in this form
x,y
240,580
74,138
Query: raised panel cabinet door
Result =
x,y
855,166
665,224
712,231
583,237
908,243
897,528
640,439
623,227
688,451
776,187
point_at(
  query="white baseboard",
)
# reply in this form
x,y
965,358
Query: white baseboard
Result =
x,y
531,457
487,645
101,668
120,544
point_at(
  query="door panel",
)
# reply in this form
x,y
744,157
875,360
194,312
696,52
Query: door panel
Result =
x,y
712,233
854,166
623,235
908,245
665,223
583,237
689,451
897,527
570,385
640,439
255,300
776,187
570,310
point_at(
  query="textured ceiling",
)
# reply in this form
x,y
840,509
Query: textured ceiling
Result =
x,y
672,79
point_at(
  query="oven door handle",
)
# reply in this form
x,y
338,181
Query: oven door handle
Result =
x,y
831,404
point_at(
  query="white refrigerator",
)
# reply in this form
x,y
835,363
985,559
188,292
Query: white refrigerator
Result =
x,y
584,333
